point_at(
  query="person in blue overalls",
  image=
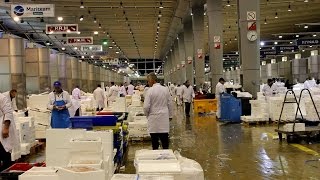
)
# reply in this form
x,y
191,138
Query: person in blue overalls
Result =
x,y
59,102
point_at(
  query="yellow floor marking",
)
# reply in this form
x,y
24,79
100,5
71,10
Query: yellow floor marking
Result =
x,y
305,149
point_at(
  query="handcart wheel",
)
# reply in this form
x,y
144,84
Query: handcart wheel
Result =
x,y
280,137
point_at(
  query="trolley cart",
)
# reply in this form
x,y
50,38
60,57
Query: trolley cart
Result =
x,y
297,135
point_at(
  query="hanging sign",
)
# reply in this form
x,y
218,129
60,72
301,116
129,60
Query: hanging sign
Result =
x,y
251,15
183,64
286,48
189,60
217,39
308,42
252,26
114,61
200,53
79,40
217,45
91,48
178,66
33,10
61,28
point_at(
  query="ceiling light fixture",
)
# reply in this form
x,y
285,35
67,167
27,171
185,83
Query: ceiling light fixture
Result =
x,y
291,42
306,1
289,8
95,20
276,43
95,32
228,3
314,35
78,32
265,21
75,48
92,56
160,15
81,18
306,26
297,35
100,26
280,37
60,18
262,43
81,5
17,19
117,52
276,16
63,48
82,57
161,6
235,38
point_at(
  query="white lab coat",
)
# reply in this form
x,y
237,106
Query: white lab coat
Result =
x,y
6,113
113,93
130,89
123,91
187,93
220,89
171,88
269,91
99,97
178,92
64,96
158,109
13,100
145,91
76,94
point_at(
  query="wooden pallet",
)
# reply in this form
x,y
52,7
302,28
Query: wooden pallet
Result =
x,y
139,139
250,123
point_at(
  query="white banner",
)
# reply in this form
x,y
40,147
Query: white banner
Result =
x,y
33,10
91,48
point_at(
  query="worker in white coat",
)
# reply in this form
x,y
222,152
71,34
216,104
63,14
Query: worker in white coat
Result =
x,y
11,95
130,89
220,89
59,103
99,97
187,94
270,89
178,92
113,93
158,109
76,96
122,91
8,135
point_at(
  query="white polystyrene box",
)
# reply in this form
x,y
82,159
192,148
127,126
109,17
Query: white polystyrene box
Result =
x,y
86,144
106,138
155,155
81,173
158,167
298,127
57,157
89,163
39,176
60,138
124,177
29,119
23,126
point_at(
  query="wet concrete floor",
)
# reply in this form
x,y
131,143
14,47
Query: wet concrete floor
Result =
x,y
235,151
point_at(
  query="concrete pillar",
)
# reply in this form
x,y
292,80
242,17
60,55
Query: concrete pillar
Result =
x,y
249,50
69,86
198,41
75,72
84,76
37,70
177,62
53,67
182,55
62,70
215,18
189,50
170,60
91,75
12,67
96,76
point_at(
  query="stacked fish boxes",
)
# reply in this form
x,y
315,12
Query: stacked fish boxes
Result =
x,y
141,177
275,106
259,112
311,113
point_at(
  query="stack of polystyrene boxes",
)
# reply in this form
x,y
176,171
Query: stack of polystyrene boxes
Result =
x,y
81,173
259,111
139,127
119,105
26,132
75,148
128,100
275,106
160,162
311,113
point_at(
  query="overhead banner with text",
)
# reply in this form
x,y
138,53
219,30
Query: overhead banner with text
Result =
x,y
91,48
33,10
79,40
61,28
308,42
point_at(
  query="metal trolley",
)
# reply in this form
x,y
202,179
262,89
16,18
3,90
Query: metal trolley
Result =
x,y
293,136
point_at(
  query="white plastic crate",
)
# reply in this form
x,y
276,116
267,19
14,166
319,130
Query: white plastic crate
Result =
x,y
81,173
86,144
298,127
86,163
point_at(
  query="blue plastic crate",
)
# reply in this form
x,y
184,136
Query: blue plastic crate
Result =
x,y
81,123
104,120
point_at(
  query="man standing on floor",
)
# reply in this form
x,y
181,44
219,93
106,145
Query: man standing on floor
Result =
x,y
8,135
178,92
187,94
76,95
220,89
11,95
99,97
158,109
130,89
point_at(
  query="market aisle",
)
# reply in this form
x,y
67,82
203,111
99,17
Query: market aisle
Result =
x,y
232,151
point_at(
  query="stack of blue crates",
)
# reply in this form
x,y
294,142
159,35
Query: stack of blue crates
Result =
x,y
231,108
87,122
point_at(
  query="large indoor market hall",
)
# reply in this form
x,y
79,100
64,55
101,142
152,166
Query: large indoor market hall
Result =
x,y
159,89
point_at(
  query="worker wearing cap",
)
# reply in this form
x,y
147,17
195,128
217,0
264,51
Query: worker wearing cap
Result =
x,y
59,102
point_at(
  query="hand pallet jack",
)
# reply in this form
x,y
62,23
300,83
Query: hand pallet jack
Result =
x,y
294,136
